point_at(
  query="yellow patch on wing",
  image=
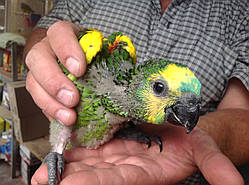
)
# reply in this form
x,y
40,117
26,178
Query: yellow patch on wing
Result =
x,y
91,43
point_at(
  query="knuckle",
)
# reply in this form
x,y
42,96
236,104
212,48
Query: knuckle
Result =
x,y
57,25
52,84
44,106
29,82
29,57
34,53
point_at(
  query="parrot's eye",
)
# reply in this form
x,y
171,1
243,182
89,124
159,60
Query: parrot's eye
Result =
x,y
159,88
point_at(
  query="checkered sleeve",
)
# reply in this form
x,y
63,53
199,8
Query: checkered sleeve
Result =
x,y
65,10
239,42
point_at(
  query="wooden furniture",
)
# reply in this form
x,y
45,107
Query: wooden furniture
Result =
x,y
29,125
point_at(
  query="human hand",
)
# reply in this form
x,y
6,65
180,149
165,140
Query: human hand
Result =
x,y
122,162
51,90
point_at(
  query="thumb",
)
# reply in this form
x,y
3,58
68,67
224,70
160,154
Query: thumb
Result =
x,y
64,43
214,165
40,176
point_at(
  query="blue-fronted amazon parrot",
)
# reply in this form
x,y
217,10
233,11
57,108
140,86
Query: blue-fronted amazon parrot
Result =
x,y
116,95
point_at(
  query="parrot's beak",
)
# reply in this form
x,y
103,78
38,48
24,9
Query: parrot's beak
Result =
x,y
185,114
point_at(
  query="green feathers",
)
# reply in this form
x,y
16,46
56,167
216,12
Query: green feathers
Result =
x,y
113,89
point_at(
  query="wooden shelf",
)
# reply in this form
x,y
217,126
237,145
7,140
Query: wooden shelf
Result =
x,y
39,147
5,113
6,76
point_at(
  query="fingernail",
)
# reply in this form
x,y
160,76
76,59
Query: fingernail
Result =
x,y
65,96
73,65
62,115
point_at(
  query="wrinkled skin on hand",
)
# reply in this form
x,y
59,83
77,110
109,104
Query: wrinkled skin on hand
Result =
x,y
51,90
123,162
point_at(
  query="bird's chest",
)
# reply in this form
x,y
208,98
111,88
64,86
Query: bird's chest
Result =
x,y
96,131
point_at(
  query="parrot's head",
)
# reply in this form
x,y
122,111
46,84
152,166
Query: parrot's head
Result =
x,y
90,41
168,92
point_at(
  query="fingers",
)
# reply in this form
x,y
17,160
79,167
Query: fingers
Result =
x,y
50,106
63,41
40,176
52,91
49,87
215,166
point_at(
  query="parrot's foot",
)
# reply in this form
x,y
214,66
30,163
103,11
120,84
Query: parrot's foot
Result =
x,y
55,162
133,133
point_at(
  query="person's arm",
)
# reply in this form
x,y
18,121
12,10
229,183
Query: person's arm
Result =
x,y
229,125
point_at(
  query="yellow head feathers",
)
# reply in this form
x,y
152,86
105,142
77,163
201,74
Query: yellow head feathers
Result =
x,y
178,78
163,84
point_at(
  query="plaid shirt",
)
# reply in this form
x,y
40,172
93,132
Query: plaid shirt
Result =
x,y
211,37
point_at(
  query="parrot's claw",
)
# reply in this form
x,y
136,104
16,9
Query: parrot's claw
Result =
x,y
55,162
133,133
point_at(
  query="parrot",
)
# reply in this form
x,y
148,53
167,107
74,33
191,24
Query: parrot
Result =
x,y
116,95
